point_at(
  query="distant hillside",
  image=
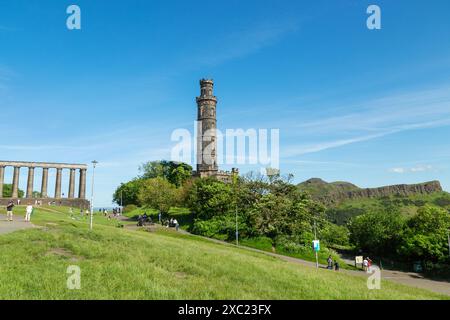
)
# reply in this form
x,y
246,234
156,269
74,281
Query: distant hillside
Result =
x,y
335,193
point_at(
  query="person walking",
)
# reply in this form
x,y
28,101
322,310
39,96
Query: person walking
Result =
x,y
9,211
330,263
336,265
159,217
365,265
28,212
175,222
369,264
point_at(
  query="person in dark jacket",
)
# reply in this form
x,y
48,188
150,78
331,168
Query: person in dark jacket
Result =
x,y
9,211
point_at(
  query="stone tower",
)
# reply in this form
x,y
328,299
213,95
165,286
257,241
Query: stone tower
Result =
x,y
206,130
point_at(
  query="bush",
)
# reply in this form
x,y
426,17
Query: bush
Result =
x,y
223,227
129,208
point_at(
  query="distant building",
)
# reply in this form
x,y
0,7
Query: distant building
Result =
x,y
206,135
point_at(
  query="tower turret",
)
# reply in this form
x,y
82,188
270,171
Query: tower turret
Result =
x,y
206,130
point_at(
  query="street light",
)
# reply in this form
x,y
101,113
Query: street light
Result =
x,y
94,164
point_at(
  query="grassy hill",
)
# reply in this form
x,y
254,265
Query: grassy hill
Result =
x,y
117,263
345,200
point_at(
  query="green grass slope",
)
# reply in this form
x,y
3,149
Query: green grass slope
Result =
x,y
124,264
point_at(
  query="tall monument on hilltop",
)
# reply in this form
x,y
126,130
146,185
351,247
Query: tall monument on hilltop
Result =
x,y
207,164
206,130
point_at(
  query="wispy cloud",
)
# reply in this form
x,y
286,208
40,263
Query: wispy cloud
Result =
x,y
419,168
376,119
247,41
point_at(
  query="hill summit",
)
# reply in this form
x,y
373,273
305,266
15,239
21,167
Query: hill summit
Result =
x,y
334,193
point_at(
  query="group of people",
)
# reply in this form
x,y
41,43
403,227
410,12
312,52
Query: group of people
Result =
x,y
144,219
173,223
9,211
367,264
331,264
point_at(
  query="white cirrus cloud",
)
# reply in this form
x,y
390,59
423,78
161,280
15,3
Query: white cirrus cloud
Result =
x,y
419,168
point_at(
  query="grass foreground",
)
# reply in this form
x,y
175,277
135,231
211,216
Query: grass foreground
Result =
x,y
117,263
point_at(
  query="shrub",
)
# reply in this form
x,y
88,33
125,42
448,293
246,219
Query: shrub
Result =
x,y
129,208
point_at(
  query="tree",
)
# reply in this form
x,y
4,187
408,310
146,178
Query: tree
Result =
x,y
210,197
7,191
175,172
377,232
159,194
269,216
128,192
426,236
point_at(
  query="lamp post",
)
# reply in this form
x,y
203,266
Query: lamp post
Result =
x,y
94,164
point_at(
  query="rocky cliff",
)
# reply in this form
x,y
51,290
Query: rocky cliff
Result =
x,y
335,193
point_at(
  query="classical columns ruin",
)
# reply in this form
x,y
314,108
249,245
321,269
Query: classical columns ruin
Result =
x,y
30,182
44,183
82,189
58,183
15,184
72,184
2,177
60,169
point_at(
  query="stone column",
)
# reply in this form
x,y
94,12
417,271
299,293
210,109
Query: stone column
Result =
x,y
58,183
15,185
44,182
2,177
72,184
82,191
30,182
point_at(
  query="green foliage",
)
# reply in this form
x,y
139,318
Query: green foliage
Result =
x,y
129,208
377,232
128,192
7,191
332,234
176,173
158,193
209,197
222,227
341,216
426,236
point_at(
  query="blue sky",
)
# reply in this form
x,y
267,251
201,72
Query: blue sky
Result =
x,y
367,106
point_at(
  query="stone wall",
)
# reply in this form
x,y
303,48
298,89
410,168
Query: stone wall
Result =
x,y
74,203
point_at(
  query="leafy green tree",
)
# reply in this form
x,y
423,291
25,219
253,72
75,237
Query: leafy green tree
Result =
x,y
333,234
210,197
377,232
426,236
159,194
175,172
270,216
7,191
129,192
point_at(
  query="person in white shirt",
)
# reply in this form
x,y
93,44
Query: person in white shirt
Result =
x,y
366,265
28,212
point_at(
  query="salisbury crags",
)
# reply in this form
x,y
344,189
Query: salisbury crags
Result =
x,y
335,193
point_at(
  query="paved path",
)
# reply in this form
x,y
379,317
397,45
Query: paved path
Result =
x,y
18,223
